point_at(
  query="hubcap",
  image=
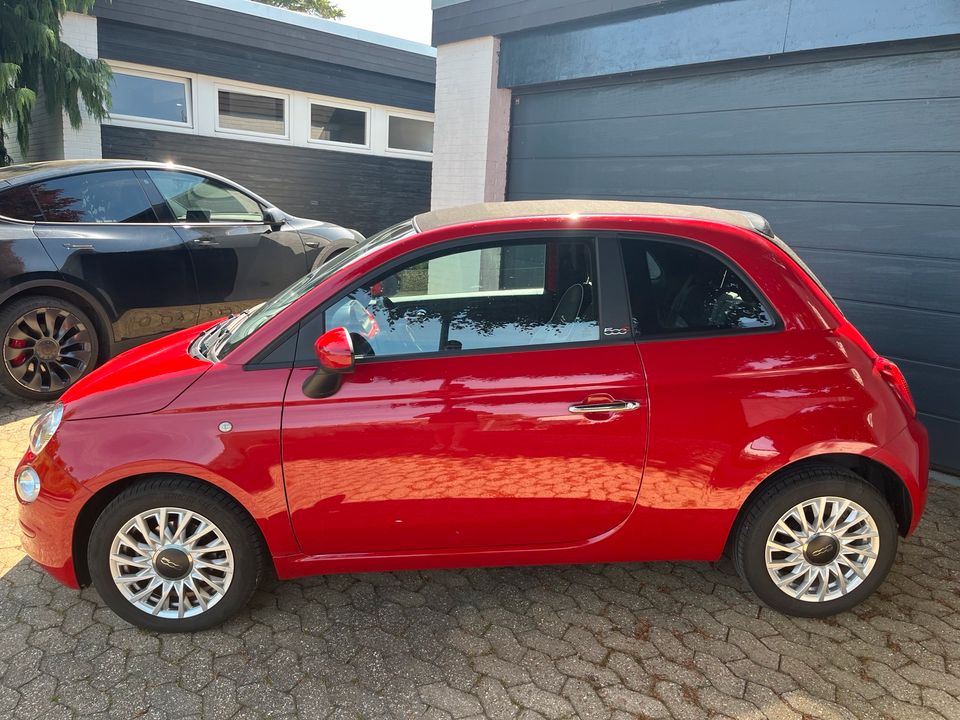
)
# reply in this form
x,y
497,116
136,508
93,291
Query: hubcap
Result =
x,y
171,562
47,349
822,549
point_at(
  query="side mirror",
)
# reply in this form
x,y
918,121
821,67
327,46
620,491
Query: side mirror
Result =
x,y
334,350
274,217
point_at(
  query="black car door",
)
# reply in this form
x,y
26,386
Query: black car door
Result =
x,y
101,230
239,259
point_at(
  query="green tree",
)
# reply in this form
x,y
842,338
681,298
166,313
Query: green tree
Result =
x,y
320,8
32,57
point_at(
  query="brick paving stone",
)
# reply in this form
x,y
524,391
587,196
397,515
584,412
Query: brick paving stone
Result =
x,y
678,641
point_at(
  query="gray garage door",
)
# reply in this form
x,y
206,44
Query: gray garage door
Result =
x,y
856,163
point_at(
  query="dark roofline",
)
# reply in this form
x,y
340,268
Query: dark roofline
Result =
x,y
253,25
559,208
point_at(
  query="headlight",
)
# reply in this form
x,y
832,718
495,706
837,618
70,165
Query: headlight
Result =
x,y
44,427
28,485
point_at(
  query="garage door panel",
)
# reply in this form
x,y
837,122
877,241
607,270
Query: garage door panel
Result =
x,y
925,337
857,127
935,388
944,448
905,177
854,162
888,280
897,77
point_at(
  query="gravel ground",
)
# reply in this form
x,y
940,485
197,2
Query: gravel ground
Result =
x,y
617,641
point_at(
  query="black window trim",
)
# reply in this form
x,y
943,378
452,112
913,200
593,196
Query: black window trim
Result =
x,y
730,263
604,275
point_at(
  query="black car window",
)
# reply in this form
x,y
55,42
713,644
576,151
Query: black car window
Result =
x,y
197,199
678,289
18,203
509,295
111,196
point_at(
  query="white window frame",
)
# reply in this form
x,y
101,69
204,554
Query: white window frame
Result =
x,y
409,116
255,91
330,102
189,83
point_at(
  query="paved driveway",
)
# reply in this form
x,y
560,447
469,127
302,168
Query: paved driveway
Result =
x,y
620,641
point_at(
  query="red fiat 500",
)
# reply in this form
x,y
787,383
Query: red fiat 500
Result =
x,y
502,384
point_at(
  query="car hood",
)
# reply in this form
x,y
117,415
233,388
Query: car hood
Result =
x,y
325,230
142,380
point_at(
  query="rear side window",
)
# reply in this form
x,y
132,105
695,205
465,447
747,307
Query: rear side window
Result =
x,y
18,203
112,196
678,289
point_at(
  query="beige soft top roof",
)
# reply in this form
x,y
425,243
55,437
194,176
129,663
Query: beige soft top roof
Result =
x,y
550,208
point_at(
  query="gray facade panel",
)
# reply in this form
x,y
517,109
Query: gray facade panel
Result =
x,y
853,161
676,34
365,192
209,23
151,46
476,18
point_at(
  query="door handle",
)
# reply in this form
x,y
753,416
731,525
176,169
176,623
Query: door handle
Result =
x,y
205,241
605,407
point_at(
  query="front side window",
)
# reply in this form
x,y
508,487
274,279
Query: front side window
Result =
x,y
511,295
336,124
112,196
678,289
197,199
150,98
261,114
410,134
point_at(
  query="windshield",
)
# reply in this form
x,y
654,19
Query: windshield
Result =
x,y
257,317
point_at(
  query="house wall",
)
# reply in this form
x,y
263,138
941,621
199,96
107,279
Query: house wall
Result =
x,y
470,137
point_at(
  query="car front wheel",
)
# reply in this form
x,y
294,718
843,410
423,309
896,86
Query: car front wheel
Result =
x,y
816,542
172,555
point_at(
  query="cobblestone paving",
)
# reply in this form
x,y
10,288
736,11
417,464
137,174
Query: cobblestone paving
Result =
x,y
680,641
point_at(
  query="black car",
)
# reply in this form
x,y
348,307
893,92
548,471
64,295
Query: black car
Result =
x,y
99,255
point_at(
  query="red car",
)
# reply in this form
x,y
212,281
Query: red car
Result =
x,y
503,384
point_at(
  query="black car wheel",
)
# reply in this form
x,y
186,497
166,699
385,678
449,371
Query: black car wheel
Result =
x,y
48,344
173,555
816,542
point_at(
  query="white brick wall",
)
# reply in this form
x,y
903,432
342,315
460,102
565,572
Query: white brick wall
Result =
x,y
80,33
472,125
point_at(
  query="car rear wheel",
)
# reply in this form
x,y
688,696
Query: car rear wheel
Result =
x,y
173,555
48,344
816,542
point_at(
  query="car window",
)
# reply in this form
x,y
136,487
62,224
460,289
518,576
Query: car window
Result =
x,y
111,196
509,295
18,203
677,289
197,199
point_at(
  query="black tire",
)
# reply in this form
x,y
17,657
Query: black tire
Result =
x,y
56,385
760,517
236,525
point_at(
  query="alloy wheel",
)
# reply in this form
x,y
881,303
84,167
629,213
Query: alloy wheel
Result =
x,y
47,349
822,549
171,563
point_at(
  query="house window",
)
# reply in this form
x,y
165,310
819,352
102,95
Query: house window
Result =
x,y
249,113
336,124
410,134
150,97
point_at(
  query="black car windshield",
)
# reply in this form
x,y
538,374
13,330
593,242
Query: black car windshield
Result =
x,y
260,315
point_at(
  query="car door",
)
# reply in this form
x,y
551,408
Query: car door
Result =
x,y
486,407
101,230
239,259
